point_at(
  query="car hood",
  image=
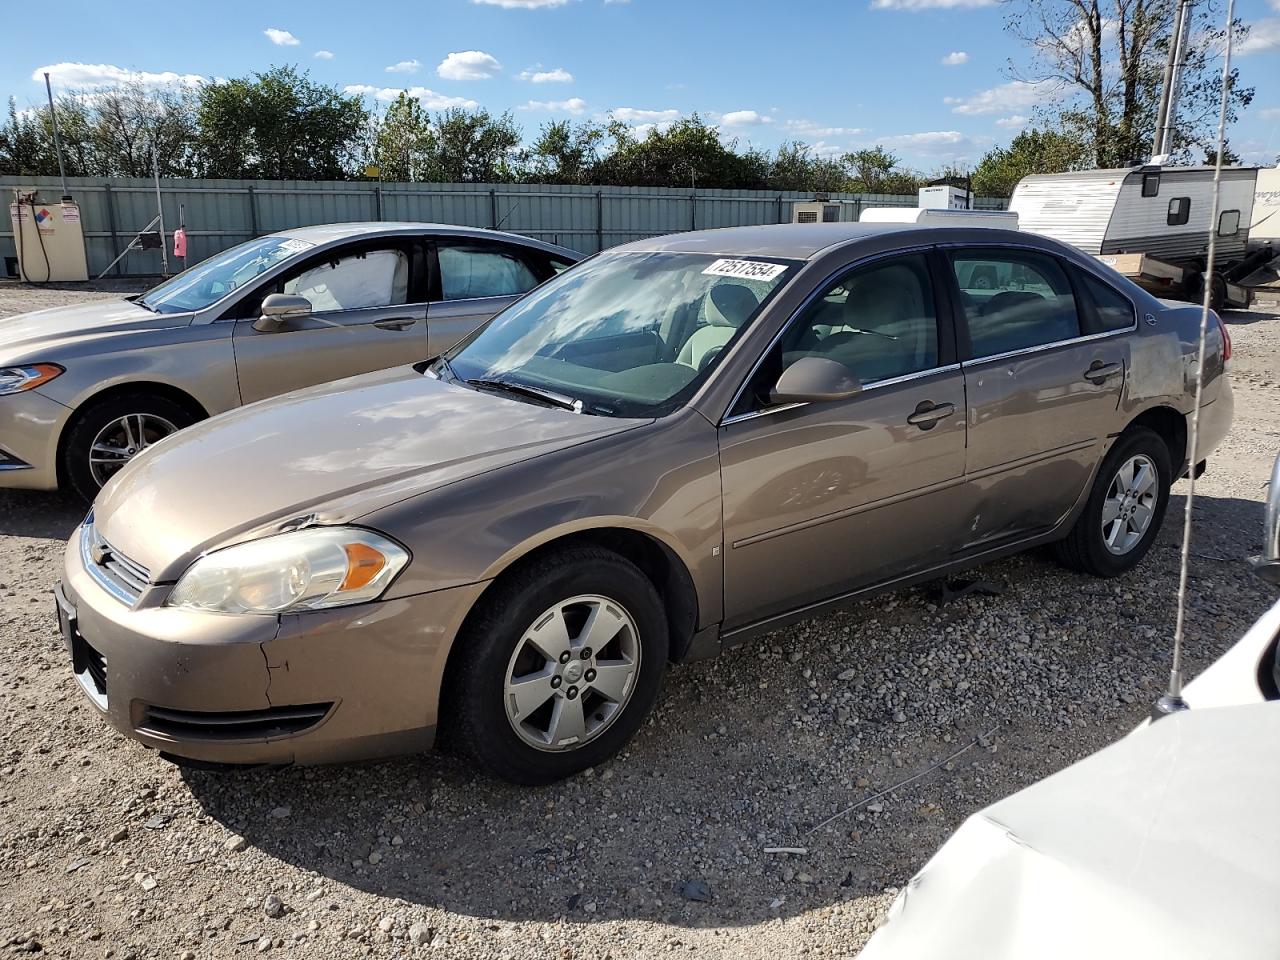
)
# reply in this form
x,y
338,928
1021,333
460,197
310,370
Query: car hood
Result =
x,y
22,335
335,452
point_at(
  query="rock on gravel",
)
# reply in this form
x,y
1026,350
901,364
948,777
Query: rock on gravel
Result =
x,y
743,753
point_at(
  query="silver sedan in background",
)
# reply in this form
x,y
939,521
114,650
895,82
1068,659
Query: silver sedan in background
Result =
x,y
84,388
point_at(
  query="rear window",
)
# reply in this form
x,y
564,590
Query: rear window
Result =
x,y
1014,300
1113,310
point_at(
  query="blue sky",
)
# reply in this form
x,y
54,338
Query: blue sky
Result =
x,y
927,78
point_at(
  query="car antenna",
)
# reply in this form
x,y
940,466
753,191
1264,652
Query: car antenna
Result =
x,y
1171,701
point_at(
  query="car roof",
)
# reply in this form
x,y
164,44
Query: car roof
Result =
x,y
805,241
329,232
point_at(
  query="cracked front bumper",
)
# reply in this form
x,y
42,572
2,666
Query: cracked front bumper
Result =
x,y
327,686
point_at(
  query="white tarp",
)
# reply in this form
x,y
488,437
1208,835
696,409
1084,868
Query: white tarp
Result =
x,y
1166,844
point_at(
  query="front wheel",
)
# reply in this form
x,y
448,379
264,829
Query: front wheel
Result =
x,y
558,668
1125,508
111,432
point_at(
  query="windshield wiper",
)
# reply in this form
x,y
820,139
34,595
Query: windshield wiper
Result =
x,y
537,393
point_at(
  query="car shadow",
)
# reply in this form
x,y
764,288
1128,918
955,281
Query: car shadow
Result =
x,y
1243,318
755,749
46,516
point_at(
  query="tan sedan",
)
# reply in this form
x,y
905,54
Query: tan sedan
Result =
x,y
85,388
670,448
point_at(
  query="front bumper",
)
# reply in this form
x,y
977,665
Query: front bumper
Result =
x,y
30,425
319,687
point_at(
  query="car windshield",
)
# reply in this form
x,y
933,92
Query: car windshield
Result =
x,y
627,334
210,281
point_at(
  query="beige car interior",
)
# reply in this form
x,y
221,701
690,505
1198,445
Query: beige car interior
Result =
x,y
378,278
726,307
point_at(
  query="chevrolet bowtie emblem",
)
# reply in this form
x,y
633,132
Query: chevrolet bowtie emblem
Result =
x,y
99,552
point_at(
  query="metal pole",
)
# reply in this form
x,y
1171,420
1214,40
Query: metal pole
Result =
x,y
1167,115
253,210
111,225
57,137
155,172
599,221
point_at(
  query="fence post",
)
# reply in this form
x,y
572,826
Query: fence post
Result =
x,y
377,200
253,210
693,211
493,209
599,221
857,208
111,225
781,219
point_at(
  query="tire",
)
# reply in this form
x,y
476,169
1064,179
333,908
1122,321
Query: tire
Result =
x,y
162,416
1085,547
494,650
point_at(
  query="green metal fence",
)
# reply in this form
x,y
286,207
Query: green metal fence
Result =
x,y
222,213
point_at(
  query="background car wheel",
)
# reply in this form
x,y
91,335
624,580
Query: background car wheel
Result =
x,y
111,432
558,667
1125,508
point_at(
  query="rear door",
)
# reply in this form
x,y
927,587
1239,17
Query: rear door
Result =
x,y
824,498
473,280
368,313
1044,384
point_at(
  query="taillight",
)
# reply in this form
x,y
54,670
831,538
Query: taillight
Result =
x,y
1226,338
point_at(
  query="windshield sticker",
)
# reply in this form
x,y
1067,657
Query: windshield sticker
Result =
x,y
745,269
294,245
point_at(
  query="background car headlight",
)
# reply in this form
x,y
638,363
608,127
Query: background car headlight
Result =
x,y
17,379
305,570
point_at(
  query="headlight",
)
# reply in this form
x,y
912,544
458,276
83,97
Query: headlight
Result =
x,y
17,379
304,570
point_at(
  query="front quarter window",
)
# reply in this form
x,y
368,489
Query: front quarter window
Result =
x,y
627,334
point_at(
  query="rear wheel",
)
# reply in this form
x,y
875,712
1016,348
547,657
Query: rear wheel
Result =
x,y
110,433
1122,517
558,668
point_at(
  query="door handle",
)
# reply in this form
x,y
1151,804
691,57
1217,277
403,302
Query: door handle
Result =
x,y
1099,371
395,323
928,413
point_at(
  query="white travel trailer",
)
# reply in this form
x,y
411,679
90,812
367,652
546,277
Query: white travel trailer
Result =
x,y
1150,223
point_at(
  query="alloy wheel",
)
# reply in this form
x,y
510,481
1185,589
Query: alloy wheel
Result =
x,y
1130,504
123,439
572,673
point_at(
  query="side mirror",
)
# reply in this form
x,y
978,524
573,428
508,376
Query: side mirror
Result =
x,y
815,380
1267,566
278,309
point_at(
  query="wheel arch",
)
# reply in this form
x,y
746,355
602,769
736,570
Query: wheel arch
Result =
x,y
1171,426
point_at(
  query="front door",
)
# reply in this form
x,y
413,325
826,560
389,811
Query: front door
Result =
x,y
1043,385
476,280
362,320
824,498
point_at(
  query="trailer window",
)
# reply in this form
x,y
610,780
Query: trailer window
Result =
x,y
1179,211
1229,223
1151,184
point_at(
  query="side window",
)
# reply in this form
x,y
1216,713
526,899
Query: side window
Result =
x,y
1113,310
468,271
558,266
1151,184
1179,211
879,321
372,278
1229,223
1013,300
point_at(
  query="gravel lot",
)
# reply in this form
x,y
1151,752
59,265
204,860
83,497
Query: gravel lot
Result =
x,y
106,850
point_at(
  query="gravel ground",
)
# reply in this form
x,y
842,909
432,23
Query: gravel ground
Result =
x,y
106,850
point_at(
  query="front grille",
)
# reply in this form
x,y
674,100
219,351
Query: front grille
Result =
x,y
9,462
90,668
233,725
117,574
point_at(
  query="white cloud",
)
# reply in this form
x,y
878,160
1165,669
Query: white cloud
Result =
x,y
522,4
642,130
1007,98
108,75
633,115
574,105
956,58
1270,113
281,38
537,75
810,128
743,118
944,145
405,66
928,4
1263,35
469,65
323,55
429,98
827,151
1017,120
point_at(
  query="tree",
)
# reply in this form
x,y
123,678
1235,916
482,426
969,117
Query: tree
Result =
x,y
1101,64
474,146
871,168
1032,151
405,147
125,124
27,145
279,125
566,152
689,153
